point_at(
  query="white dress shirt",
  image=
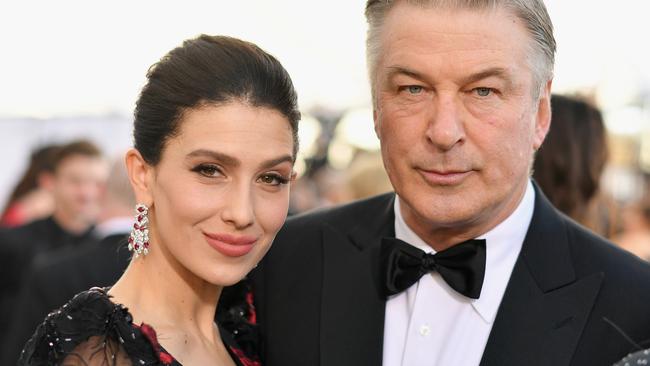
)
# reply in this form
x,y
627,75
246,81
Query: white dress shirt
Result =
x,y
430,324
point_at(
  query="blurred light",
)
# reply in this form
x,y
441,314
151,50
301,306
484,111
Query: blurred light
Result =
x,y
357,129
299,167
644,153
626,121
618,87
308,132
309,129
340,154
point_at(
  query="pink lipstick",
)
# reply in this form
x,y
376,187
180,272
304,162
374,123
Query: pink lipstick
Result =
x,y
231,245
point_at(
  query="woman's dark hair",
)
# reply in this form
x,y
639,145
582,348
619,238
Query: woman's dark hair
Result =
x,y
570,162
209,70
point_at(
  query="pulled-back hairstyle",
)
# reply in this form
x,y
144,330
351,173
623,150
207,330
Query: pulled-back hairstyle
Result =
x,y
209,70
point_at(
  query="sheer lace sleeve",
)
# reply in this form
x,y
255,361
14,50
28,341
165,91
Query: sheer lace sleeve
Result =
x,y
97,351
89,330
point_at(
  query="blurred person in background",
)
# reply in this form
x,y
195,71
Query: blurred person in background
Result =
x,y
30,199
55,276
76,182
326,186
366,176
569,165
635,236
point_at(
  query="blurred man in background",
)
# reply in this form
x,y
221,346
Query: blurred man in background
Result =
x,y
76,183
56,276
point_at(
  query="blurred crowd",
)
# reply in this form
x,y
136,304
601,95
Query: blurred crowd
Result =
x,y
71,198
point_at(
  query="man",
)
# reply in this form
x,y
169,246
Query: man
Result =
x,y
56,276
76,184
461,103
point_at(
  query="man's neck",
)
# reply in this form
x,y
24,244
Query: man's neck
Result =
x,y
71,223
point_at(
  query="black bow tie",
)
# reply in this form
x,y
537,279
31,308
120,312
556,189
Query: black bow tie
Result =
x,y
462,266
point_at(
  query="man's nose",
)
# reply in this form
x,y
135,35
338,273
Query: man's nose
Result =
x,y
445,128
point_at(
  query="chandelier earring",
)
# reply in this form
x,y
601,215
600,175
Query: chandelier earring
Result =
x,y
139,238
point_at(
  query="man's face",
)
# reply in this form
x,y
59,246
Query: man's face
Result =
x,y
456,117
77,186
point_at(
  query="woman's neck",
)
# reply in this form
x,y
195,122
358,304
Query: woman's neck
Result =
x,y
159,291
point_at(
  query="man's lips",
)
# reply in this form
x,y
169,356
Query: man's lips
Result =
x,y
231,245
444,177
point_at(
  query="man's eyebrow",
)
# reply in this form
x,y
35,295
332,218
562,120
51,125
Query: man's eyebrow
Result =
x,y
498,72
223,158
396,70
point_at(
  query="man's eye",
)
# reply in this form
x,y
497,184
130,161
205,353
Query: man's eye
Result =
x,y
483,92
414,89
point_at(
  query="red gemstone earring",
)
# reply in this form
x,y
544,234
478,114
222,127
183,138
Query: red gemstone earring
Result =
x,y
139,238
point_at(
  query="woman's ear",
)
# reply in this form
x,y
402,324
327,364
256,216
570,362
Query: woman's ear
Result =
x,y
140,176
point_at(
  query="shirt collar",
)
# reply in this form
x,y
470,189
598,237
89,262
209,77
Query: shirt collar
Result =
x,y
503,242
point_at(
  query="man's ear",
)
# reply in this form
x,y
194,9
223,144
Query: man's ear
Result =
x,y
141,176
375,119
46,181
543,117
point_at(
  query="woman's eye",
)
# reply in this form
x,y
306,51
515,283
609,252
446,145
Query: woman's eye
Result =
x,y
414,89
208,170
483,92
273,179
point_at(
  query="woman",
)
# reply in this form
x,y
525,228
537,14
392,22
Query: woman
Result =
x,y
569,165
215,141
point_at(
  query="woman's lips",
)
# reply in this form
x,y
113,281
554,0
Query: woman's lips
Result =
x,y
230,245
444,178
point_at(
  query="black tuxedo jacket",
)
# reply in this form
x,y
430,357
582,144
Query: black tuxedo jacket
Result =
x,y
318,300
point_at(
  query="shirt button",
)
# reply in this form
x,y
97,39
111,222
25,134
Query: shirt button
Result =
x,y
425,330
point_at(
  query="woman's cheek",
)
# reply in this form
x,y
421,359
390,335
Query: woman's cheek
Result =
x,y
272,211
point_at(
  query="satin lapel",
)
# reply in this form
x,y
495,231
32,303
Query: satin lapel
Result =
x,y
545,307
352,313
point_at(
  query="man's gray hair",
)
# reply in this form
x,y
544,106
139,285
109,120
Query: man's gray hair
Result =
x,y
532,12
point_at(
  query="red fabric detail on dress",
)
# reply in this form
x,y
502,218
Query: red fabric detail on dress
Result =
x,y
150,334
243,358
252,315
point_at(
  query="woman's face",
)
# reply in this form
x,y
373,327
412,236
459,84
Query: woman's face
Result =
x,y
220,192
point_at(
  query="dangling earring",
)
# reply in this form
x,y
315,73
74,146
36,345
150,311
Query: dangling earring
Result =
x,y
139,238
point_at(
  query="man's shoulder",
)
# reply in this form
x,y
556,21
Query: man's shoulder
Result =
x,y
593,253
340,216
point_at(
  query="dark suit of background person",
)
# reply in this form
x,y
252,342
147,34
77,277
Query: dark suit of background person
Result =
x,y
459,111
55,278
18,247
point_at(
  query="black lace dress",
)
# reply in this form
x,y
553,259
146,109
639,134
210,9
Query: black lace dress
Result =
x,y
92,330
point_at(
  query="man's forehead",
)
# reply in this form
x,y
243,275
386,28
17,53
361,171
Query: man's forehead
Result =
x,y
416,36
80,161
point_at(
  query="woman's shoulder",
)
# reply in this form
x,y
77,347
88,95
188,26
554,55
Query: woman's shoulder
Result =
x,y
90,326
